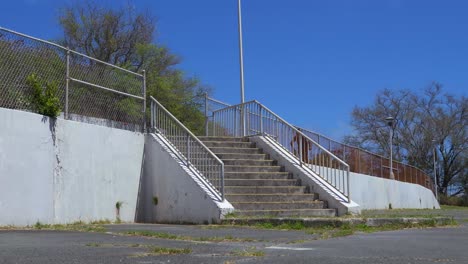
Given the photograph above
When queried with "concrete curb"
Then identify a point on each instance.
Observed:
(337, 222)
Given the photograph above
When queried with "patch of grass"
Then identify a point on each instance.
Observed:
(249, 252)
(453, 207)
(101, 222)
(393, 213)
(169, 251)
(93, 245)
(76, 226)
(293, 225)
(331, 231)
(161, 235)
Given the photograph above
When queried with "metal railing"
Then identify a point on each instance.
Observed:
(89, 90)
(254, 118)
(359, 160)
(365, 162)
(189, 148)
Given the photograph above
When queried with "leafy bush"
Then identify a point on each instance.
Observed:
(44, 96)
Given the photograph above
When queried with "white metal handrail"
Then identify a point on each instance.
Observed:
(191, 150)
(366, 162)
(253, 118)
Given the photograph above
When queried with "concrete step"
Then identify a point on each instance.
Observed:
(257, 175)
(239, 168)
(229, 144)
(238, 139)
(261, 182)
(276, 197)
(265, 189)
(279, 205)
(288, 213)
(242, 156)
(247, 162)
(217, 150)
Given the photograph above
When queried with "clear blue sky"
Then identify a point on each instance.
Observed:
(309, 61)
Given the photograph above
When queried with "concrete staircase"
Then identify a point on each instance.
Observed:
(256, 186)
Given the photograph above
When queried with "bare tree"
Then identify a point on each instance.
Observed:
(423, 121)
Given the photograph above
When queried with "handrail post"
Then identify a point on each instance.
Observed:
(222, 182)
(300, 148)
(67, 84)
(152, 116)
(261, 120)
(347, 183)
(188, 150)
(206, 114)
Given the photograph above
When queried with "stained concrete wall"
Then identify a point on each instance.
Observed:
(65, 171)
(367, 192)
(379, 193)
(182, 195)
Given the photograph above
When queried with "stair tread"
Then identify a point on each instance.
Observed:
(266, 160)
(281, 202)
(258, 172)
(285, 210)
(255, 166)
(266, 194)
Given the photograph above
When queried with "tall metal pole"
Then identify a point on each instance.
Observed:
(390, 120)
(392, 176)
(241, 52)
(241, 62)
(144, 101)
(435, 170)
(67, 84)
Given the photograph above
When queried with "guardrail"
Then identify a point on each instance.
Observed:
(87, 87)
(253, 118)
(188, 147)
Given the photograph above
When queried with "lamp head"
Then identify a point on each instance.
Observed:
(390, 120)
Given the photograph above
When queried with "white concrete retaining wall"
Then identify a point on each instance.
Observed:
(379, 193)
(367, 192)
(182, 197)
(65, 171)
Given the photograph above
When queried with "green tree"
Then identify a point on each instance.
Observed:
(125, 38)
(424, 121)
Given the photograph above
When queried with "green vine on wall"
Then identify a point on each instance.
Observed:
(44, 96)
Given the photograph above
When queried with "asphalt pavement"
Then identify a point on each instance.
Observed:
(431, 245)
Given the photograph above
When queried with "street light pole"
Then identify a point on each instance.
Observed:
(241, 52)
(390, 120)
(435, 169)
(241, 62)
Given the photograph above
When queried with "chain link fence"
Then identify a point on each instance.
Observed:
(89, 90)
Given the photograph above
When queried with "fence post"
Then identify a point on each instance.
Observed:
(188, 150)
(222, 181)
(67, 83)
(261, 120)
(206, 114)
(152, 116)
(300, 147)
(144, 101)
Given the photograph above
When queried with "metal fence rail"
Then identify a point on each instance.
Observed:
(359, 160)
(253, 118)
(89, 89)
(190, 149)
(365, 162)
